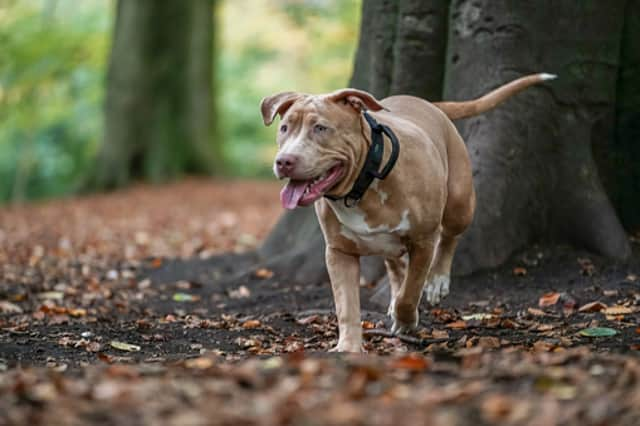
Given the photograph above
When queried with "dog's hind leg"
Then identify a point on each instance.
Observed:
(396, 271)
(405, 309)
(437, 286)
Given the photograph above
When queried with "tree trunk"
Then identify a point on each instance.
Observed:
(538, 159)
(534, 170)
(159, 108)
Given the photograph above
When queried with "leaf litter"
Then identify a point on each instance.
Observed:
(92, 315)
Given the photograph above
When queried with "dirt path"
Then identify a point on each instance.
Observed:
(102, 322)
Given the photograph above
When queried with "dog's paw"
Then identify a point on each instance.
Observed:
(437, 289)
(405, 319)
(347, 347)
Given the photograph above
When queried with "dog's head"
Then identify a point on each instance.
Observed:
(321, 142)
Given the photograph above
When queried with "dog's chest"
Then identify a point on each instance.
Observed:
(384, 239)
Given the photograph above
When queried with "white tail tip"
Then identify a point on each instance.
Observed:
(547, 76)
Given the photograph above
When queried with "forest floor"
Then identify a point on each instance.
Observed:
(115, 309)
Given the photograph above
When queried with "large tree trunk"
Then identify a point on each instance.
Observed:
(159, 108)
(534, 169)
(536, 175)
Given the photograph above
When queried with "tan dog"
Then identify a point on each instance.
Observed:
(413, 218)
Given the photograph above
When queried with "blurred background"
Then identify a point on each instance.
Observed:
(96, 94)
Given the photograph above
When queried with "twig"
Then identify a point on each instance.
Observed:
(403, 337)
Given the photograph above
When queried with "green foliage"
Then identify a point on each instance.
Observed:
(51, 73)
(53, 58)
(273, 46)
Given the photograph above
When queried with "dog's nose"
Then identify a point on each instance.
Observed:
(285, 164)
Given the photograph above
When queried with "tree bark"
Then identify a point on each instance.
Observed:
(159, 108)
(534, 170)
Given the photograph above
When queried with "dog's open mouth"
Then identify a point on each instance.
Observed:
(304, 192)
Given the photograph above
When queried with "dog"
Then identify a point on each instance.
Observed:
(332, 148)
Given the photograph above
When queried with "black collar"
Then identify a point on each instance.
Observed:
(372, 163)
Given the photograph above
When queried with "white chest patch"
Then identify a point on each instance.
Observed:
(384, 239)
(383, 195)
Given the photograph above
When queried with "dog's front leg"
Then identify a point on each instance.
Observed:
(344, 272)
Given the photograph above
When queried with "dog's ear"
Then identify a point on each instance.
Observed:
(358, 99)
(277, 104)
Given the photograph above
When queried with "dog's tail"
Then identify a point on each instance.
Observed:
(455, 110)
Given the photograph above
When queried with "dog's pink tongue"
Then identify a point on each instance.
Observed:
(291, 193)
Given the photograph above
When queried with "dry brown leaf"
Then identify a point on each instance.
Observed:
(251, 324)
(440, 334)
(489, 342)
(549, 299)
(496, 408)
(536, 312)
(593, 307)
(200, 363)
(519, 271)
(368, 325)
(457, 324)
(412, 362)
(618, 310)
(264, 273)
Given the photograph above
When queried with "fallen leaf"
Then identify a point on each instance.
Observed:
(240, 293)
(124, 346)
(200, 363)
(478, 317)
(618, 310)
(251, 324)
(536, 312)
(549, 299)
(496, 408)
(542, 346)
(519, 271)
(457, 324)
(77, 312)
(185, 297)
(51, 295)
(598, 332)
(311, 319)
(489, 342)
(9, 308)
(440, 334)
(631, 278)
(411, 362)
(368, 325)
(263, 273)
(593, 307)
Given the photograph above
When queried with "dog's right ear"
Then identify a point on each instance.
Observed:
(277, 104)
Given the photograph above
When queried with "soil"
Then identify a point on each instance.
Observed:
(107, 299)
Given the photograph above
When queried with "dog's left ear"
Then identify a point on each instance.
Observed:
(277, 104)
(358, 99)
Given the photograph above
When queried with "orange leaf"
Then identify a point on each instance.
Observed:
(264, 273)
(548, 299)
(457, 324)
(368, 325)
(412, 362)
(519, 271)
(251, 324)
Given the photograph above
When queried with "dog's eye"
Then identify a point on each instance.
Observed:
(319, 128)
(283, 128)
